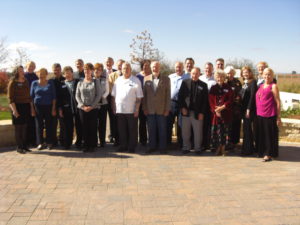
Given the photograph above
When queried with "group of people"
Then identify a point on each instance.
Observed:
(207, 109)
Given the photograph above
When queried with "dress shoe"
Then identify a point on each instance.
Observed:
(198, 152)
(49, 147)
(186, 152)
(149, 151)
(122, 149)
(21, 151)
(163, 151)
(102, 145)
(111, 140)
(27, 149)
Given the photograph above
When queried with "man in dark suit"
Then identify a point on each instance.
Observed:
(58, 78)
(67, 106)
(192, 100)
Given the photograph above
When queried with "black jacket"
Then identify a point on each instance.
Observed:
(200, 96)
(248, 97)
(66, 98)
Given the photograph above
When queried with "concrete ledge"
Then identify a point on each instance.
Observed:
(290, 130)
(7, 133)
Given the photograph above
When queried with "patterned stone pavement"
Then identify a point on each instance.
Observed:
(68, 187)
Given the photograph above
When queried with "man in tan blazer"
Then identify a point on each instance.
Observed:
(156, 106)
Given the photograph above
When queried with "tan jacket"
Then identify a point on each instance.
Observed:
(112, 78)
(160, 101)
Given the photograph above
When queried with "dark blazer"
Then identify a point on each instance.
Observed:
(248, 97)
(200, 96)
(57, 84)
(66, 98)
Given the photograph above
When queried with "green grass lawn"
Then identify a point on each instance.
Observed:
(3, 100)
(5, 115)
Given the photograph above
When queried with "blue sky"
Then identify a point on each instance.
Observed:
(62, 31)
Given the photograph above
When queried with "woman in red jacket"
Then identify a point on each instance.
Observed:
(220, 100)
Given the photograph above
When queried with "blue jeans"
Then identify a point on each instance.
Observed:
(157, 129)
(175, 112)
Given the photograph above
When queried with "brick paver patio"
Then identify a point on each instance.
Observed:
(68, 187)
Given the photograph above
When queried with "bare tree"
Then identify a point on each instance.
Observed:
(143, 48)
(22, 57)
(240, 63)
(3, 51)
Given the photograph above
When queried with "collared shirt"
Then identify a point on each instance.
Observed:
(260, 81)
(126, 91)
(155, 82)
(210, 81)
(176, 81)
(70, 84)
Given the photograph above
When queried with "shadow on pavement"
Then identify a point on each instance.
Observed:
(287, 153)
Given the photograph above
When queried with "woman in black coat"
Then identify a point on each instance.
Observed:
(248, 110)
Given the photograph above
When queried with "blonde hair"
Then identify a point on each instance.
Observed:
(30, 63)
(219, 73)
(269, 70)
(229, 69)
(263, 63)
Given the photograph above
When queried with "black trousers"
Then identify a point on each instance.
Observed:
(142, 127)
(68, 120)
(31, 132)
(58, 121)
(248, 139)
(127, 125)
(43, 120)
(206, 130)
(102, 117)
(78, 128)
(89, 127)
(235, 130)
(113, 122)
(268, 133)
(21, 124)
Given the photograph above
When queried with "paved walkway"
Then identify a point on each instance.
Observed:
(72, 188)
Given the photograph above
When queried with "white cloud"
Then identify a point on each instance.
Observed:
(27, 45)
(128, 31)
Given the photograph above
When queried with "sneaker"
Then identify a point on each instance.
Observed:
(40, 147)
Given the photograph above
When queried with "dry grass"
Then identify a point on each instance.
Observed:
(289, 82)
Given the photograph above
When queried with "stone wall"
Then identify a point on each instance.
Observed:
(290, 130)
